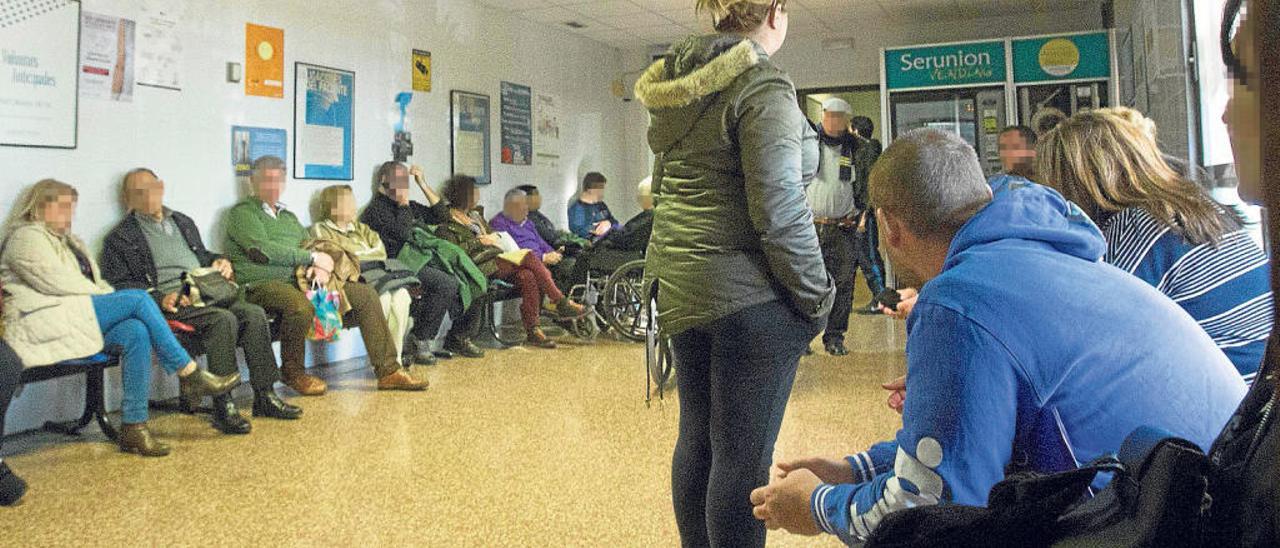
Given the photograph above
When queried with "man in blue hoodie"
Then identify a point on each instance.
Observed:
(1023, 348)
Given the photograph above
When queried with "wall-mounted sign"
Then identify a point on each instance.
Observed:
(39, 68)
(421, 61)
(1048, 59)
(323, 122)
(942, 66)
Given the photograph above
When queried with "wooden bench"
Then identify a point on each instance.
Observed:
(95, 398)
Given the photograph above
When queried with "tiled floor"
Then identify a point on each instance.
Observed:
(524, 448)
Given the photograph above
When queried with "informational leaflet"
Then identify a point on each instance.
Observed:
(250, 143)
(324, 127)
(106, 57)
(160, 44)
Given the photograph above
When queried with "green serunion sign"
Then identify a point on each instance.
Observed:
(937, 66)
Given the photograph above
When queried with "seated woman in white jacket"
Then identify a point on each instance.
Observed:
(58, 308)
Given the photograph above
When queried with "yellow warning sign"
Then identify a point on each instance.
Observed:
(421, 70)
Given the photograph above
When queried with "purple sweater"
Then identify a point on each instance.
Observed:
(525, 234)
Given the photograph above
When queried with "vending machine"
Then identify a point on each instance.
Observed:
(976, 89)
(959, 87)
(1063, 75)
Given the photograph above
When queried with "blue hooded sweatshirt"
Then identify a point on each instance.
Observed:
(1027, 349)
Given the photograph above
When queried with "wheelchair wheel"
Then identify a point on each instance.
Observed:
(623, 302)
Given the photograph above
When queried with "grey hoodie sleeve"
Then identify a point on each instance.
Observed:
(769, 134)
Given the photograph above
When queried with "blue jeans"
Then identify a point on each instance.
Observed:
(734, 377)
(133, 326)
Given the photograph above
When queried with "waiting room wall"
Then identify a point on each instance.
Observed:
(185, 136)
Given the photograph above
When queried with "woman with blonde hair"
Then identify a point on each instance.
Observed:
(338, 224)
(741, 285)
(1184, 168)
(1164, 229)
(58, 308)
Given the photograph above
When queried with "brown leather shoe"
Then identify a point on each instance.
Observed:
(305, 385)
(536, 338)
(401, 380)
(137, 439)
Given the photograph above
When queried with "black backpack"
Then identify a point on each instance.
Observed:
(1164, 492)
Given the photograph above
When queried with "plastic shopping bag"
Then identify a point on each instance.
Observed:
(328, 321)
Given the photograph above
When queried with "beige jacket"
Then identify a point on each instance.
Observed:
(48, 314)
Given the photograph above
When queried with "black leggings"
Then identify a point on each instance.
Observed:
(10, 372)
(734, 377)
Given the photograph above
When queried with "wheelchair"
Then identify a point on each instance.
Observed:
(616, 303)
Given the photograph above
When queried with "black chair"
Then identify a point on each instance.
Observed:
(95, 399)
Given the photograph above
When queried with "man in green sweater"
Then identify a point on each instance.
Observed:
(265, 245)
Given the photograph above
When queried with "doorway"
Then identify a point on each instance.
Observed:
(865, 101)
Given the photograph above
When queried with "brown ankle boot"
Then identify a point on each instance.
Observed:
(304, 384)
(567, 309)
(536, 338)
(137, 439)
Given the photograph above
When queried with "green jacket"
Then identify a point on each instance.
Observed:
(426, 249)
(731, 227)
(279, 240)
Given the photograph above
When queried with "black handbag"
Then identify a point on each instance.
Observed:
(1155, 498)
(207, 287)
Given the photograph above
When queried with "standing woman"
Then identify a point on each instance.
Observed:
(1163, 228)
(741, 285)
(59, 308)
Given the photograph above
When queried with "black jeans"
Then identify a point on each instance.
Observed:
(440, 295)
(734, 377)
(219, 331)
(838, 252)
(10, 373)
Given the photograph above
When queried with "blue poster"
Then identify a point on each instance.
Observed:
(324, 127)
(250, 143)
(517, 124)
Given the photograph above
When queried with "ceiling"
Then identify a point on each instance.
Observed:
(641, 23)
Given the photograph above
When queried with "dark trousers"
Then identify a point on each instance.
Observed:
(219, 331)
(734, 378)
(868, 257)
(440, 295)
(840, 257)
(296, 313)
(10, 373)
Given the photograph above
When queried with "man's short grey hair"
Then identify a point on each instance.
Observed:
(513, 194)
(931, 180)
(265, 163)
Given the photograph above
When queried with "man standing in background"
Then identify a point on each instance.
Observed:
(833, 197)
(867, 239)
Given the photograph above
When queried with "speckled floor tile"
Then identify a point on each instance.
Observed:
(523, 448)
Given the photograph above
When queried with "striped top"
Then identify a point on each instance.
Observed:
(1224, 287)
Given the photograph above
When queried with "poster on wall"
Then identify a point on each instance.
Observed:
(324, 122)
(250, 143)
(106, 57)
(421, 69)
(39, 61)
(469, 114)
(160, 44)
(546, 125)
(263, 61)
(517, 125)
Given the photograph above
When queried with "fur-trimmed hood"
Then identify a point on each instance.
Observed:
(696, 68)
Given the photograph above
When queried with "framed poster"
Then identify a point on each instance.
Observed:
(323, 122)
(517, 124)
(39, 90)
(469, 116)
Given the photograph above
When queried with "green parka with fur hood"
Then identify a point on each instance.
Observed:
(731, 225)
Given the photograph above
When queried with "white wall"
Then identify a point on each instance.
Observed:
(185, 136)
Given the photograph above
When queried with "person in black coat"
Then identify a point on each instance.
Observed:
(149, 249)
(394, 216)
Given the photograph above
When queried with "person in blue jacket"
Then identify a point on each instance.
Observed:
(1023, 349)
(589, 217)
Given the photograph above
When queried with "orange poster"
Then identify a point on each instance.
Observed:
(263, 61)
